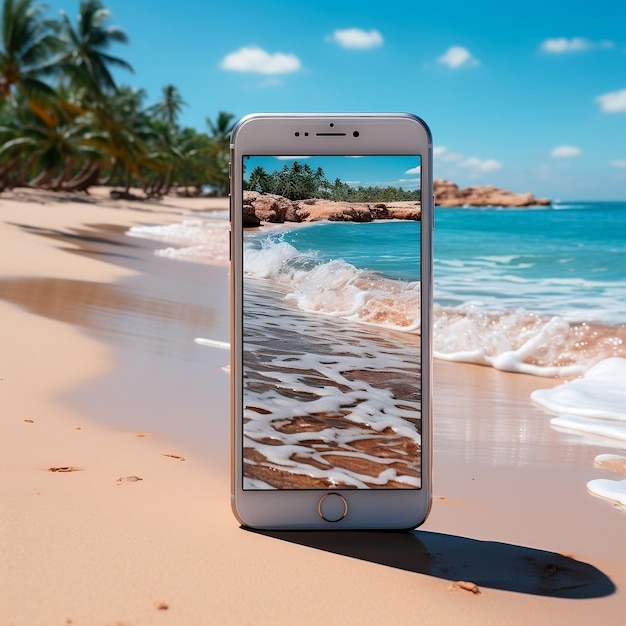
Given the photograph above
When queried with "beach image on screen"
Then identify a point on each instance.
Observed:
(331, 322)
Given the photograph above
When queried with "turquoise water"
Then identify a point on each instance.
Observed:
(391, 248)
(567, 260)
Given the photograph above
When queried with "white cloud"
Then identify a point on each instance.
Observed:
(414, 170)
(562, 44)
(441, 153)
(356, 39)
(480, 165)
(613, 102)
(458, 56)
(618, 163)
(256, 60)
(565, 152)
(559, 45)
(474, 164)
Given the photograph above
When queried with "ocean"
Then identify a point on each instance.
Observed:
(565, 260)
(537, 290)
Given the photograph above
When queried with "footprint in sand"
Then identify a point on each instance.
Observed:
(174, 456)
(466, 586)
(128, 479)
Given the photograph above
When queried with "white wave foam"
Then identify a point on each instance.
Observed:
(594, 405)
(563, 206)
(519, 341)
(614, 490)
(600, 395)
(335, 288)
(195, 240)
(270, 259)
(614, 462)
(590, 426)
(212, 343)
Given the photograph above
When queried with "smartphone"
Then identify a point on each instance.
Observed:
(331, 294)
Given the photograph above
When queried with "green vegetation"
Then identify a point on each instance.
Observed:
(300, 182)
(66, 125)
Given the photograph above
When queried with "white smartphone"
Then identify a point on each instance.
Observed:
(331, 266)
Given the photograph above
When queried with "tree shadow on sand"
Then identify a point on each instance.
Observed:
(488, 564)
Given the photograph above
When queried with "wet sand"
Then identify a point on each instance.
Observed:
(100, 380)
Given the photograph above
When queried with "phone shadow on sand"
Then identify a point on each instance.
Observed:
(488, 564)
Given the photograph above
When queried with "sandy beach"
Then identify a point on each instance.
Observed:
(114, 462)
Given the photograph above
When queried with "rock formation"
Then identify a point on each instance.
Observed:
(448, 194)
(259, 208)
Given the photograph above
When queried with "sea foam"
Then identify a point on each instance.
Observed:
(194, 239)
(334, 287)
(594, 406)
(521, 341)
(600, 394)
(614, 490)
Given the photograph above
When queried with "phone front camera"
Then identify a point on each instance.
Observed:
(355, 133)
(331, 124)
(297, 134)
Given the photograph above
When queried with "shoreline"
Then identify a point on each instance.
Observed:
(509, 499)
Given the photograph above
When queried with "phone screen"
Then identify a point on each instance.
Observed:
(331, 322)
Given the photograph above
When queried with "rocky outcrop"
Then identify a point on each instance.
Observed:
(270, 208)
(259, 208)
(448, 194)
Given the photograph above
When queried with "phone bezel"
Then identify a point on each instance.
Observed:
(330, 134)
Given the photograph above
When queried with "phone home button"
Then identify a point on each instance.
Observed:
(332, 507)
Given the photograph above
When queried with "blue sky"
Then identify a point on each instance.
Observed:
(530, 95)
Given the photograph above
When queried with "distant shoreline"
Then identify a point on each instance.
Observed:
(265, 207)
(448, 194)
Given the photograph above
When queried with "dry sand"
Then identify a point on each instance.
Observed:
(99, 374)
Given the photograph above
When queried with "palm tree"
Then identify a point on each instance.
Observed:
(82, 128)
(220, 130)
(52, 150)
(86, 59)
(164, 117)
(191, 168)
(259, 180)
(124, 133)
(219, 155)
(29, 43)
(169, 108)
